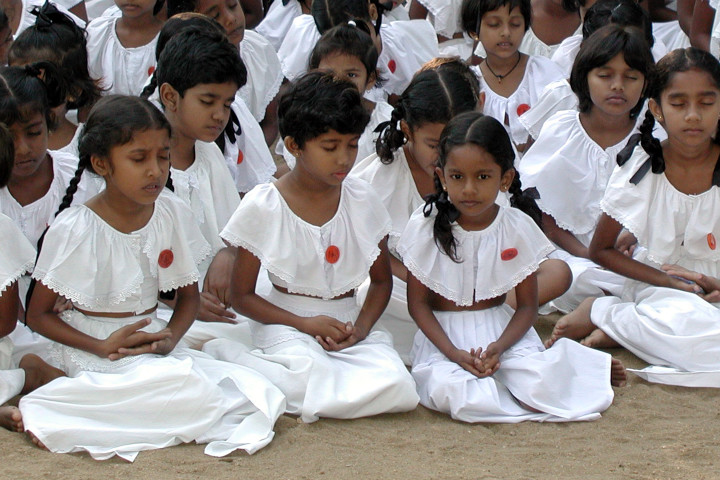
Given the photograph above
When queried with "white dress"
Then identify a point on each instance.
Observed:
(570, 172)
(278, 20)
(27, 19)
(183, 396)
(264, 73)
(539, 72)
(17, 258)
(671, 35)
(365, 379)
(567, 382)
(715, 32)
(445, 18)
(675, 331)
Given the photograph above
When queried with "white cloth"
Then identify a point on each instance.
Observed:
(277, 21)
(665, 327)
(671, 35)
(571, 382)
(457, 47)
(539, 72)
(36, 216)
(715, 33)
(445, 16)
(294, 53)
(264, 74)
(123, 70)
(27, 19)
(555, 97)
(72, 147)
(566, 52)
(185, 395)
(530, 45)
(296, 253)
(365, 379)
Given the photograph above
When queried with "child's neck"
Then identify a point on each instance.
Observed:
(182, 151)
(504, 75)
(690, 168)
(137, 31)
(606, 130)
(475, 224)
(313, 201)
(119, 212)
(26, 190)
(62, 135)
(424, 183)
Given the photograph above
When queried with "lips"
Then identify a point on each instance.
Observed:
(340, 175)
(153, 188)
(616, 99)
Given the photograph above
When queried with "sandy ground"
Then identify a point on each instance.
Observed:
(650, 432)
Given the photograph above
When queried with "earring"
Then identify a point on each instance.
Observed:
(444, 188)
(659, 118)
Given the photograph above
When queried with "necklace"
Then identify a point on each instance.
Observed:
(500, 77)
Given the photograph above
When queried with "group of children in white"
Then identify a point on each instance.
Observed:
(183, 277)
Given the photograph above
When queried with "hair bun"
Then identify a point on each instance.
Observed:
(44, 15)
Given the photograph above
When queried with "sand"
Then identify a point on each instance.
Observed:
(650, 432)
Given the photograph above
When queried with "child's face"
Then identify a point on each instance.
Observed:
(137, 171)
(349, 67)
(423, 144)
(327, 158)
(203, 112)
(473, 178)
(689, 108)
(228, 13)
(135, 8)
(501, 31)
(615, 88)
(30, 139)
(6, 39)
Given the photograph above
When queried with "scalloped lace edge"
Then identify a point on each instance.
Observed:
(15, 276)
(566, 226)
(85, 300)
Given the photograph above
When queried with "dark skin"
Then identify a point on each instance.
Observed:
(254, 12)
(138, 30)
(551, 23)
(701, 25)
(658, 11)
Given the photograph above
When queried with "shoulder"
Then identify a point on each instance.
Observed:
(543, 69)
(101, 28)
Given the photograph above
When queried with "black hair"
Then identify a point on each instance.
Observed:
(7, 155)
(472, 12)
(433, 96)
(490, 135)
(603, 46)
(318, 102)
(330, 13)
(4, 22)
(352, 39)
(180, 6)
(457, 65)
(620, 12)
(680, 60)
(56, 38)
(34, 88)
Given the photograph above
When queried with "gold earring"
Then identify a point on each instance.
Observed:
(659, 118)
(444, 188)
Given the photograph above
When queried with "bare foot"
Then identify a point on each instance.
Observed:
(36, 441)
(575, 325)
(37, 372)
(599, 339)
(618, 374)
(11, 419)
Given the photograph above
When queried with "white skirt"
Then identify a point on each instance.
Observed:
(567, 382)
(365, 379)
(667, 328)
(149, 401)
(12, 379)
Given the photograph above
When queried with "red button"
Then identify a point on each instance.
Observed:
(332, 254)
(522, 108)
(392, 66)
(165, 258)
(508, 254)
(711, 241)
(241, 157)
(151, 70)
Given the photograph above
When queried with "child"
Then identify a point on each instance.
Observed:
(111, 257)
(121, 50)
(318, 235)
(56, 38)
(20, 17)
(474, 357)
(445, 18)
(664, 194)
(511, 80)
(17, 257)
(570, 163)
(279, 19)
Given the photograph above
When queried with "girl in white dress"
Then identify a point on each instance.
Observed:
(667, 195)
(121, 50)
(475, 357)
(318, 234)
(511, 80)
(570, 163)
(111, 257)
(279, 18)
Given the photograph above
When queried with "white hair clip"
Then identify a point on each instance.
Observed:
(352, 23)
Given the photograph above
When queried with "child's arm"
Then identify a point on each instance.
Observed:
(526, 293)
(215, 295)
(419, 306)
(603, 252)
(42, 319)
(563, 238)
(248, 303)
(710, 285)
(9, 304)
(399, 270)
(376, 301)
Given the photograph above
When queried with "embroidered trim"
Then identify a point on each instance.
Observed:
(15, 276)
(114, 298)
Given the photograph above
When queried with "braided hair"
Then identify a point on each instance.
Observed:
(34, 88)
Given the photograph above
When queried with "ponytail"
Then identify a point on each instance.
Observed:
(651, 144)
(447, 214)
(391, 136)
(524, 201)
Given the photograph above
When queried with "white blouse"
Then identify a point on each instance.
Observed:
(531, 45)
(445, 16)
(278, 20)
(539, 72)
(89, 262)
(34, 218)
(123, 71)
(294, 53)
(674, 227)
(323, 261)
(570, 172)
(492, 261)
(17, 256)
(208, 190)
(264, 73)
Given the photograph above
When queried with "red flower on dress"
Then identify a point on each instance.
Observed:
(241, 157)
(332, 254)
(508, 254)
(522, 108)
(165, 259)
(392, 66)
(711, 241)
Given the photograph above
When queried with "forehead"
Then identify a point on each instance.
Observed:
(334, 136)
(341, 61)
(503, 12)
(222, 90)
(691, 82)
(205, 5)
(429, 130)
(28, 116)
(150, 139)
(470, 157)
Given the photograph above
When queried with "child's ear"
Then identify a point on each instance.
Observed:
(370, 81)
(292, 146)
(441, 175)
(100, 165)
(507, 179)
(372, 9)
(655, 109)
(405, 129)
(480, 103)
(169, 97)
